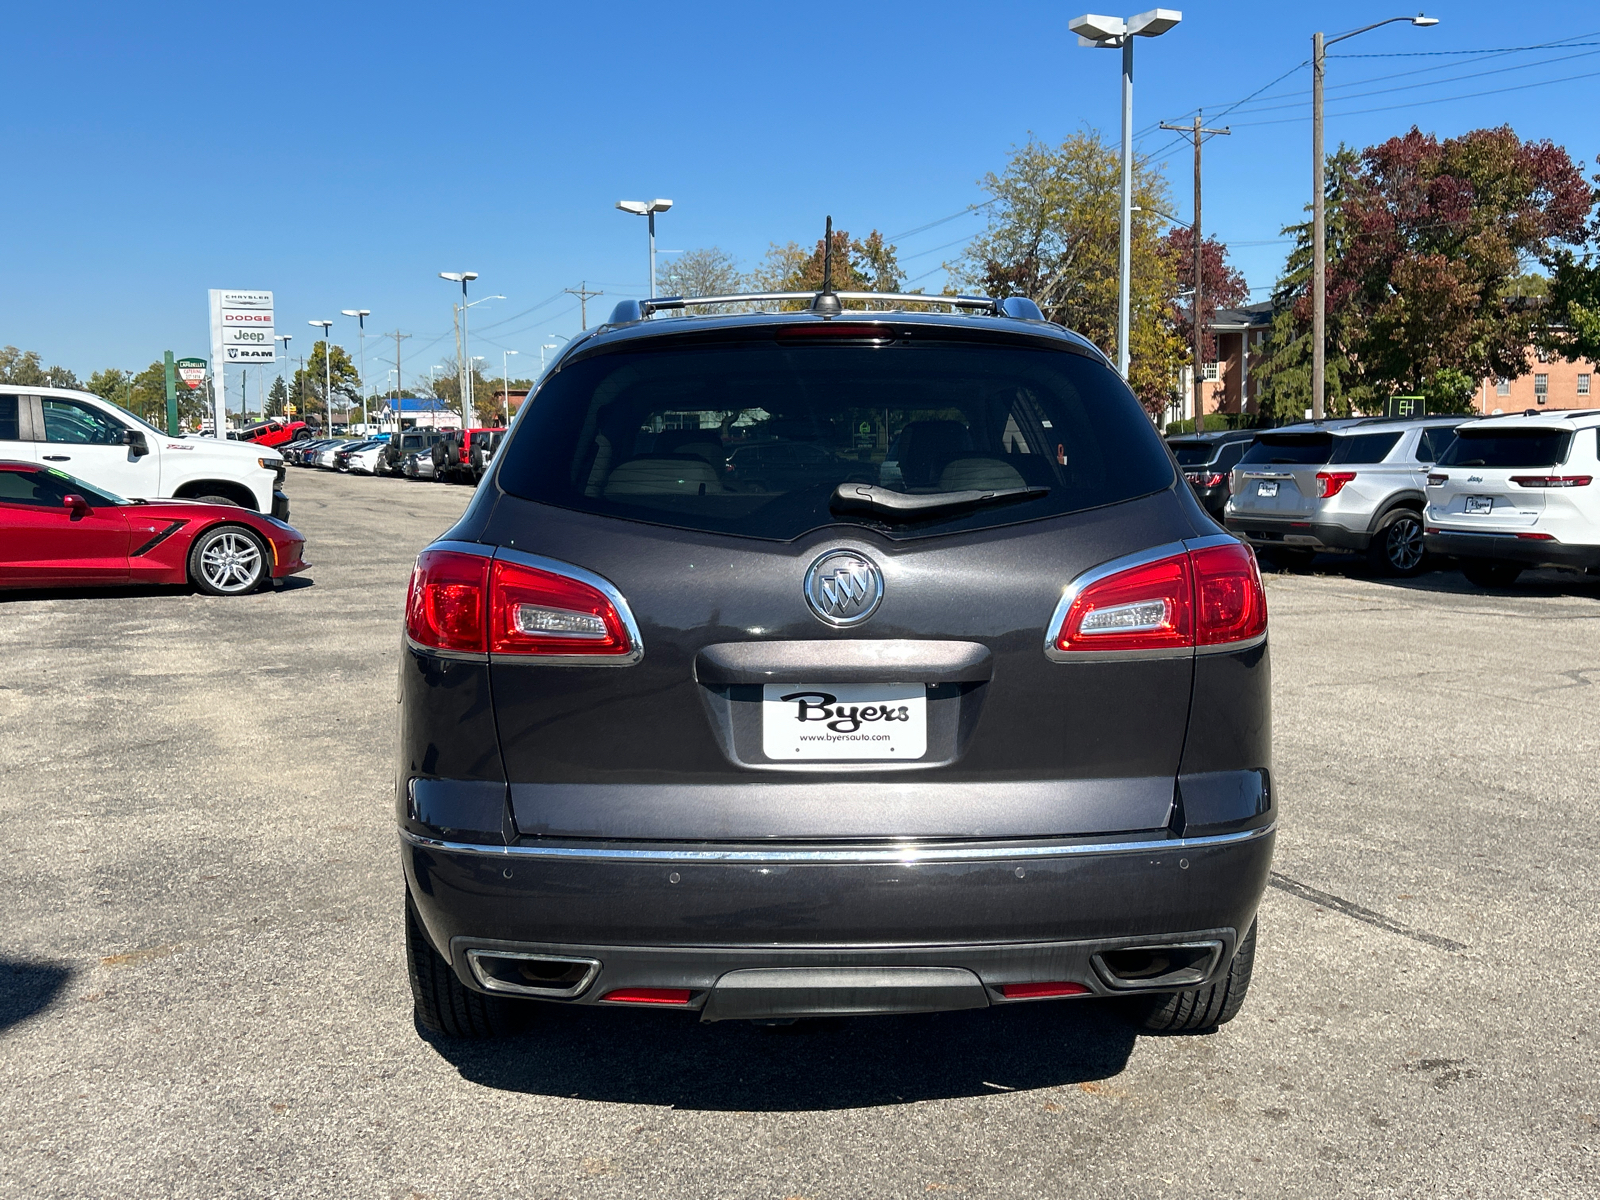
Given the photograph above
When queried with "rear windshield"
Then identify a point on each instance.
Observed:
(1193, 454)
(1507, 448)
(1289, 448)
(752, 438)
(1363, 447)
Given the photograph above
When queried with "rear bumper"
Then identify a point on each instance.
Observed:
(677, 916)
(1508, 547)
(1301, 535)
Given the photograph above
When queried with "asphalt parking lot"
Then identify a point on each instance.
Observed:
(202, 978)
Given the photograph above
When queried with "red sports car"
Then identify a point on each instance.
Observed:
(57, 531)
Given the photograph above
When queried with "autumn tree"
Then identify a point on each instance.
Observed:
(859, 265)
(1570, 315)
(1432, 235)
(1054, 224)
(710, 271)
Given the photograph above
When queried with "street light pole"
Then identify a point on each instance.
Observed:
(327, 369)
(464, 369)
(361, 315)
(505, 372)
(285, 338)
(647, 208)
(1114, 33)
(1319, 226)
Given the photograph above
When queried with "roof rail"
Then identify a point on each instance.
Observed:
(1016, 307)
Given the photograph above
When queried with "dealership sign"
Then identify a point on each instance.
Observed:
(241, 327)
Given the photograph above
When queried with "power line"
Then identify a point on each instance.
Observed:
(1520, 87)
(971, 208)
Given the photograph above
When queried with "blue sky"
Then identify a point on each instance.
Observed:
(343, 155)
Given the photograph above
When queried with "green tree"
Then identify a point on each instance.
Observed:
(311, 383)
(1053, 236)
(859, 265)
(277, 398)
(26, 369)
(1570, 318)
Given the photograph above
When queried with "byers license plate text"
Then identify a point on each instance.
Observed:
(837, 721)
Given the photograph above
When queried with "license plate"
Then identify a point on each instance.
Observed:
(1480, 504)
(1267, 487)
(802, 721)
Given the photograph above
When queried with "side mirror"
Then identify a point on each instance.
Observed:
(134, 440)
(76, 505)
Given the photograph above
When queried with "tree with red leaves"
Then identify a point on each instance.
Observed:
(1421, 283)
(1571, 316)
(1222, 286)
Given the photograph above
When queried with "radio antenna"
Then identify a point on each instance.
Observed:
(827, 257)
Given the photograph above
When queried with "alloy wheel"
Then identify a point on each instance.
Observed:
(1403, 544)
(231, 562)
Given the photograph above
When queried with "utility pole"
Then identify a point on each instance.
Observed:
(583, 294)
(1197, 243)
(398, 338)
(461, 372)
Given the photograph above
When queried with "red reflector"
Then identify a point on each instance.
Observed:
(834, 331)
(1331, 483)
(1535, 537)
(541, 612)
(1230, 603)
(1033, 991)
(647, 996)
(445, 607)
(1552, 480)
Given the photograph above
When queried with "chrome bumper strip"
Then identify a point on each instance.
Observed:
(841, 855)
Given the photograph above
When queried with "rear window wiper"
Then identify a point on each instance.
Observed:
(881, 502)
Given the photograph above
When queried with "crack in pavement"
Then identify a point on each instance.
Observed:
(1351, 909)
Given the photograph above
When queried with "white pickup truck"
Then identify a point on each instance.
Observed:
(106, 445)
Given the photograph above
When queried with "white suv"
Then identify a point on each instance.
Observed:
(106, 445)
(1517, 492)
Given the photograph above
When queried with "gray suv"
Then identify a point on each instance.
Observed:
(1349, 485)
(833, 662)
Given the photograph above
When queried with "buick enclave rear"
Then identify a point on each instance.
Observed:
(833, 662)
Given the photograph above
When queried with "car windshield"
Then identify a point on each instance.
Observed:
(138, 421)
(1292, 449)
(1507, 448)
(755, 437)
(68, 485)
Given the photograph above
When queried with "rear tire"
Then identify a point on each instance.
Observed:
(443, 1004)
(1396, 548)
(229, 560)
(1202, 1009)
(1488, 573)
(217, 500)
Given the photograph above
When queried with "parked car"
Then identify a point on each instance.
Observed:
(1518, 492)
(1353, 486)
(342, 455)
(58, 531)
(1207, 461)
(411, 441)
(418, 466)
(301, 453)
(452, 457)
(274, 433)
(669, 744)
(121, 454)
(365, 460)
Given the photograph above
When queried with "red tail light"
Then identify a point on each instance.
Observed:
(1536, 537)
(1438, 480)
(445, 608)
(1206, 597)
(1143, 608)
(1552, 480)
(1204, 478)
(676, 996)
(467, 603)
(540, 612)
(1230, 603)
(1035, 991)
(1331, 483)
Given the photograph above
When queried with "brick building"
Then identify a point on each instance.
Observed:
(1551, 382)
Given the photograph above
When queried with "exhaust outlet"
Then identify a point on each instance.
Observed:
(549, 976)
(1148, 968)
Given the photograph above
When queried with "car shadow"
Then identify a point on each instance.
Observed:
(28, 986)
(639, 1057)
(136, 591)
(1445, 577)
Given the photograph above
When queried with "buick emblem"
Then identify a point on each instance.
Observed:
(843, 587)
